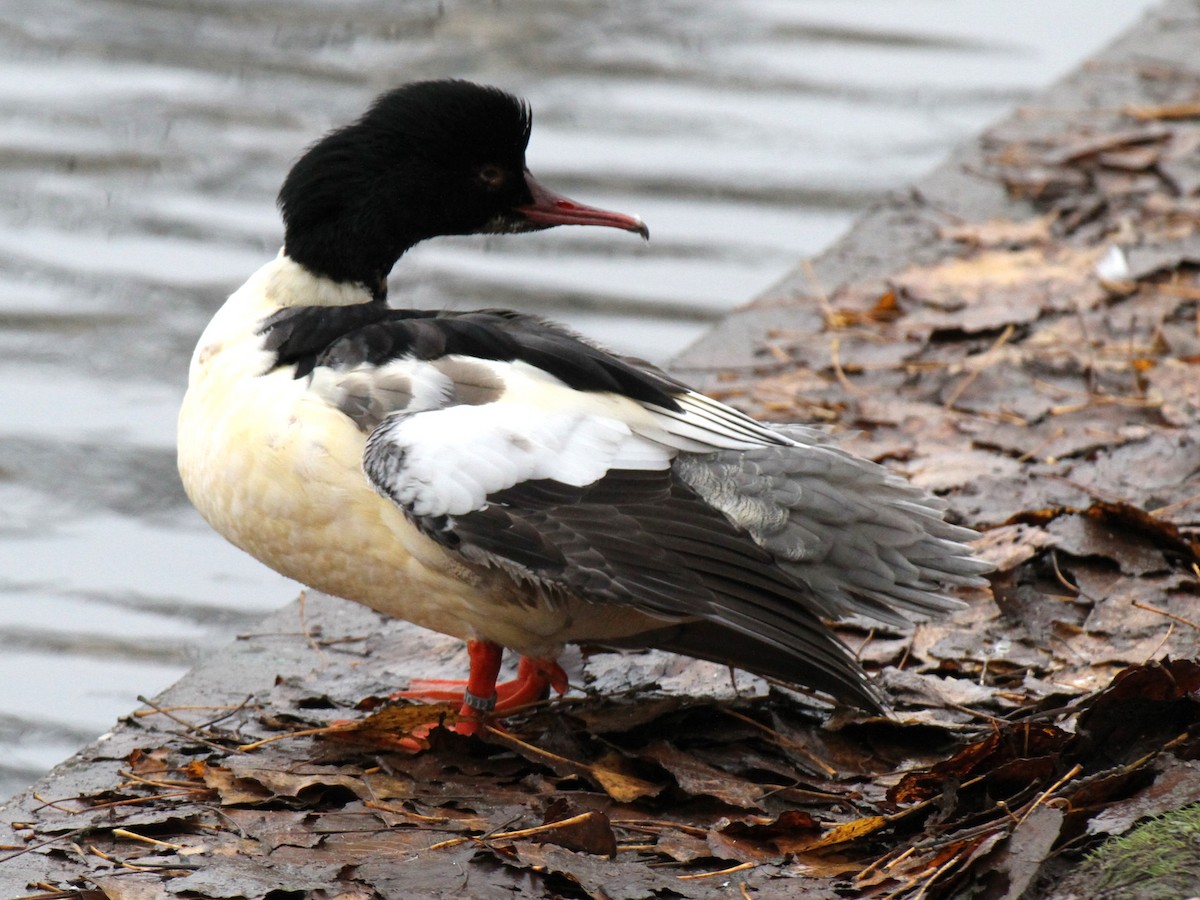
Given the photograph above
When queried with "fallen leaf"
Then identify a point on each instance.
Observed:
(586, 832)
(758, 840)
(1001, 232)
(1175, 786)
(697, 778)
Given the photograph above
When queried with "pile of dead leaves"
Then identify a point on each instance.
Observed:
(629, 797)
(634, 797)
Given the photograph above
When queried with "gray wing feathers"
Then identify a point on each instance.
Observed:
(863, 540)
(643, 540)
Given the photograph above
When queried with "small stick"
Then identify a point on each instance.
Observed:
(654, 826)
(1162, 612)
(133, 801)
(324, 657)
(307, 732)
(542, 829)
(825, 767)
(1075, 770)
(177, 785)
(1058, 573)
(53, 804)
(401, 811)
(835, 357)
(1050, 439)
(738, 868)
(1171, 507)
(1004, 338)
(134, 836)
(1166, 637)
(163, 710)
(120, 862)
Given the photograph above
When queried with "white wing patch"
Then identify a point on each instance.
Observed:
(436, 456)
(449, 461)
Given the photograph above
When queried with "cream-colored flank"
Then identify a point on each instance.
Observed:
(277, 469)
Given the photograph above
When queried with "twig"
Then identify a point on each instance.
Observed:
(66, 836)
(453, 842)
(655, 826)
(984, 362)
(741, 867)
(835, 346)
(163, 710)
(479, 839)
(1162, 612)
(170, 785)
(863, 646)
(810, 273)
(1104, 400)
(1171, 507)
(230, 711)
(407, 813)
(120, 862)
(1058, 573)
(542, 829)
(307, 732)
(1075, 770)
(1166, 637)
(782, 741)
(134, 836)
(191, 731)
(324, 657)
(134, 801)
(938, 873)
(53, 804)
(166, 711)
(1050, 439)
(163, 867)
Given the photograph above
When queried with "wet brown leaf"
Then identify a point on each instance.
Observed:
(1008, 871)
(760, 840)
(613, 773)
(131, 887)
(697, 778)
(1176, 785)
(848, 832)
(149, 763)
(1031, 749)
(393, 726)
(993, 288)
(589, 831)
(1001, 232)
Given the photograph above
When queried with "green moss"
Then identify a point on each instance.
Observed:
(1159, 859)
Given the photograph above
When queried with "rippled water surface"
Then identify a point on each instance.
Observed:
(141, 145)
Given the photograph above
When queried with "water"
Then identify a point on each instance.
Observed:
(142, 142)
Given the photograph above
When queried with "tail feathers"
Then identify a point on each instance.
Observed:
(862, 540)
(834, 672)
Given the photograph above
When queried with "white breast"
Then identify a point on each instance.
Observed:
(278, 472)
(275, 464)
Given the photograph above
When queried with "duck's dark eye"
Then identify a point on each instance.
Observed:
(492, 177)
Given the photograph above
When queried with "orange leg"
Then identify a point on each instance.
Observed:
(481, 696)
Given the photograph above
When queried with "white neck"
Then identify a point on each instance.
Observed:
(279, 284)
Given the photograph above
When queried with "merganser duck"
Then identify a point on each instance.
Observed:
(495, 477)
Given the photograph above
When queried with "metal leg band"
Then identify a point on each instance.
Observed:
(479, 704)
